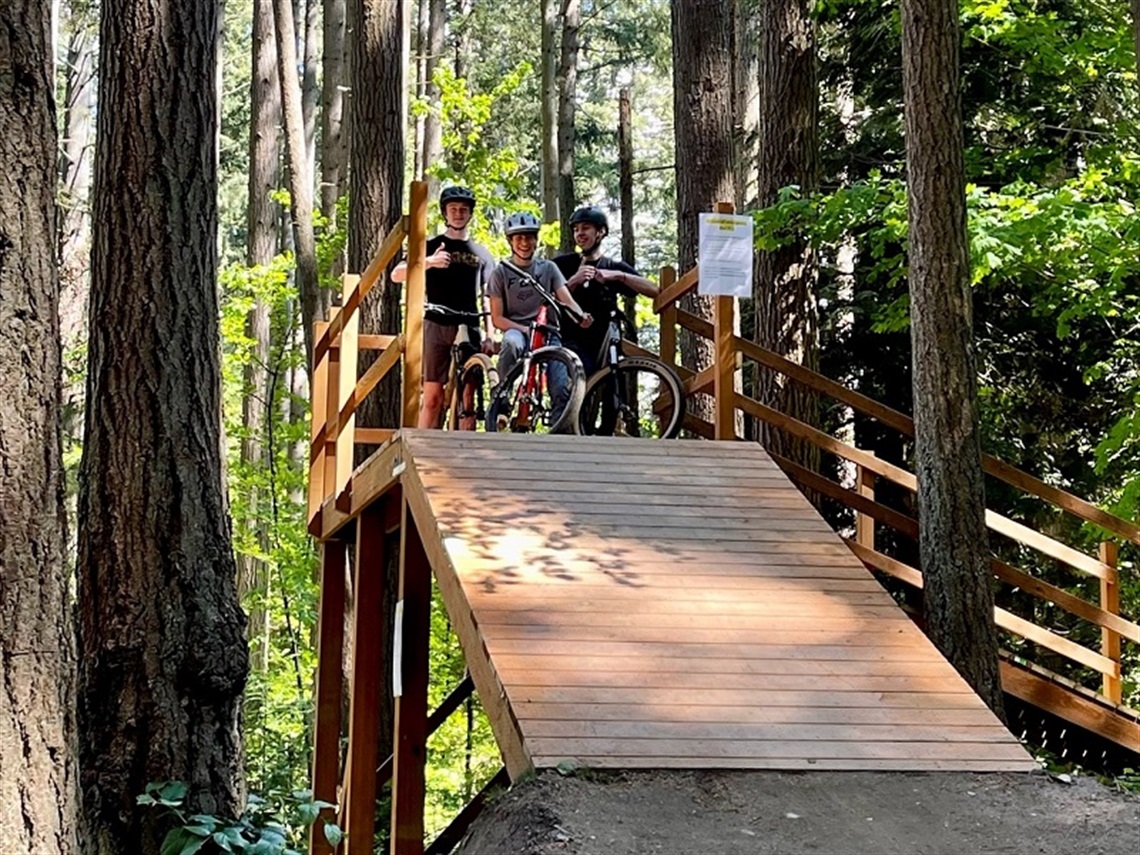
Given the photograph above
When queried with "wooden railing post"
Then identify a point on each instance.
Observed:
(1110, 602)
(368, 648)
(318, 447)
(326, 720)
(724, 358)
(349, 358)
(332, 420)
(414, 304)
(668, 320)
(864, 523)
(409, 742)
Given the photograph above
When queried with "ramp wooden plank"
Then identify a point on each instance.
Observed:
(681, 605)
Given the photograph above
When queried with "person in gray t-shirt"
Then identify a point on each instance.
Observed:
(515, 301)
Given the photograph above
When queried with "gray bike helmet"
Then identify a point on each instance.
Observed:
(521, 223)
(594, 216)
(456, 194)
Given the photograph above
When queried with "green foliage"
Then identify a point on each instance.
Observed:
(264, 828)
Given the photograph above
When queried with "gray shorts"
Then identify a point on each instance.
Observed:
(438, 339)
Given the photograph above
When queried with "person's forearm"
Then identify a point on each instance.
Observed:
(400, 272)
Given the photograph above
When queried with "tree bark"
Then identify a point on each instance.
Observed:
(567, 108)
(261, 247)
(459, 46)
(164, 657)
(746, 98)
(550, 14)
(39, 770)
(310, 78)
(625, 191)
(433, 131)
(419, 52)
(314, 304)
(951, 492)
(702, 128)
(375, 205)
(784, 290)
(334, 148)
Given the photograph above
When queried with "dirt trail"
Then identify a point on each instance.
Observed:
(726, 813)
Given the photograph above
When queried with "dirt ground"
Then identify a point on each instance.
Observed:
(726, 813)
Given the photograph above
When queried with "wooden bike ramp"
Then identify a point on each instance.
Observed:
(677, 604)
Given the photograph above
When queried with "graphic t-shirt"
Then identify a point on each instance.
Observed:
(521, 300)
(594, 297)
(458, 285)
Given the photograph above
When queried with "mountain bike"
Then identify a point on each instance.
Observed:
(472, 371)
(636, 396)
(524, 402)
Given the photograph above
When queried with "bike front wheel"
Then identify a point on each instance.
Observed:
(468, 407)
(637, 397)
(530, 403)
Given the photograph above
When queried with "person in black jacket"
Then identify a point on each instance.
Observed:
(596, 281)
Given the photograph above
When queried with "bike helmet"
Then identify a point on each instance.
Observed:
(520, 223)
(594, 216)
(456, 194)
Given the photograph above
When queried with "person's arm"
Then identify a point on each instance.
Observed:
(439, 258)
(500, 320)
(633, 281)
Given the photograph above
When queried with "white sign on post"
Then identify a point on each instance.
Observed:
(725, 255)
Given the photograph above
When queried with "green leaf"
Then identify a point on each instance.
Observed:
(179, 841)
(333, 834)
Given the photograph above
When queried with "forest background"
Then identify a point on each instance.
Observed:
(1050, 102)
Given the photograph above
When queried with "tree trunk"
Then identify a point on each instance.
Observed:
(313, 303)
(334, 149)
(419, 52)
(702, 128)
(310, 80)
(375, 205)
(746, 98)
(786, 314)
(433, 131)
(567, 103)
(459, 44)
(39, 771)
(550, 11)
(951, 492)
(625, 190)
(261, 247)
(164, 658)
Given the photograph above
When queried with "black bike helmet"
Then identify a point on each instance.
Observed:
(520, 223)
(456, 194)
(594, 216)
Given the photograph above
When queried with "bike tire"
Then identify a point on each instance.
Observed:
(476, 371)
(658, 409)
(503, 413)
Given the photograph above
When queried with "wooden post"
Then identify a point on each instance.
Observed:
(414, 304)
(318, 404)
(349, 357)
(668, 320)
(409, 742)
(724, 358)
(864, 524)
(368, 648)
(332, 419)
(1110, 602)
(326, 725)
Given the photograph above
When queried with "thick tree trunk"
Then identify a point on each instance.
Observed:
(419, 53)
(550, 16)
(261, 247)
(334, 148)
(625, 191)
(164, 656)
(375, 205)
(459, 43)
(746, 98)
(567, 108)
(951, 492)
(313, 303)
(39, 769)
(786, 313)
(433, 131)
(702, 128)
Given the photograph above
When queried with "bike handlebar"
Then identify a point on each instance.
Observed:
(547, 297)
(454, 314)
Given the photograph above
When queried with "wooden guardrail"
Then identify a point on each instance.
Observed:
(336, 391)
(717, 380)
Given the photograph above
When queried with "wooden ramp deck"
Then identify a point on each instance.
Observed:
(678, 604)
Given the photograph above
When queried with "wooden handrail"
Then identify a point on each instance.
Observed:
(372, 376)
(905, 424)
(368, 280)
(674, 291)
